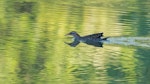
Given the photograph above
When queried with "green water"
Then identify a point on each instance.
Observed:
(33, 48)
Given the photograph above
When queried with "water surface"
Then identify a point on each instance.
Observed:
(33, 48)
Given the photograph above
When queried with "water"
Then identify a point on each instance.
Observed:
(33, 48)
(130, 41)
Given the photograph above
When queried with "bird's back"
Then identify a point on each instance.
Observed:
(96, 35)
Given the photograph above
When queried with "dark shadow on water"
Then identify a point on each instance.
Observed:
(22, 7)
(93, 43)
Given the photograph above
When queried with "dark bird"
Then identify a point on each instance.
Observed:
(93, 39)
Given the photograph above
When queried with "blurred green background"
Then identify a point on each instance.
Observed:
(32, 48)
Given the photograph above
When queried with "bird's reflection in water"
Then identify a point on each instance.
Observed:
(93, 39)
(76, 42)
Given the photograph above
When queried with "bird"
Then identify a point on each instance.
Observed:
(92, 39)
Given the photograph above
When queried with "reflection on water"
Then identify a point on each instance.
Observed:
(32, 48)
(96, 44)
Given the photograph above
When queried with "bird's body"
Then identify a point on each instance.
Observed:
(97, 37)
(93, 39)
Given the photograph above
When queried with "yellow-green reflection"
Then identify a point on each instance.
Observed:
(33, 50)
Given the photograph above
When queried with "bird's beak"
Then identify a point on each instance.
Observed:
(67, 34)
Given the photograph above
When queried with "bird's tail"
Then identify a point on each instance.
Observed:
(105, 38)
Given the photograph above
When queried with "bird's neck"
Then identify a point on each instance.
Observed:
(76, 36)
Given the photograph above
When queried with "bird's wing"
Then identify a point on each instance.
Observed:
(97, 35)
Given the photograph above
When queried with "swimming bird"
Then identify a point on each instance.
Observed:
(93, 39)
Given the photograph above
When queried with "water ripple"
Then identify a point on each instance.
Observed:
(130, 41)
